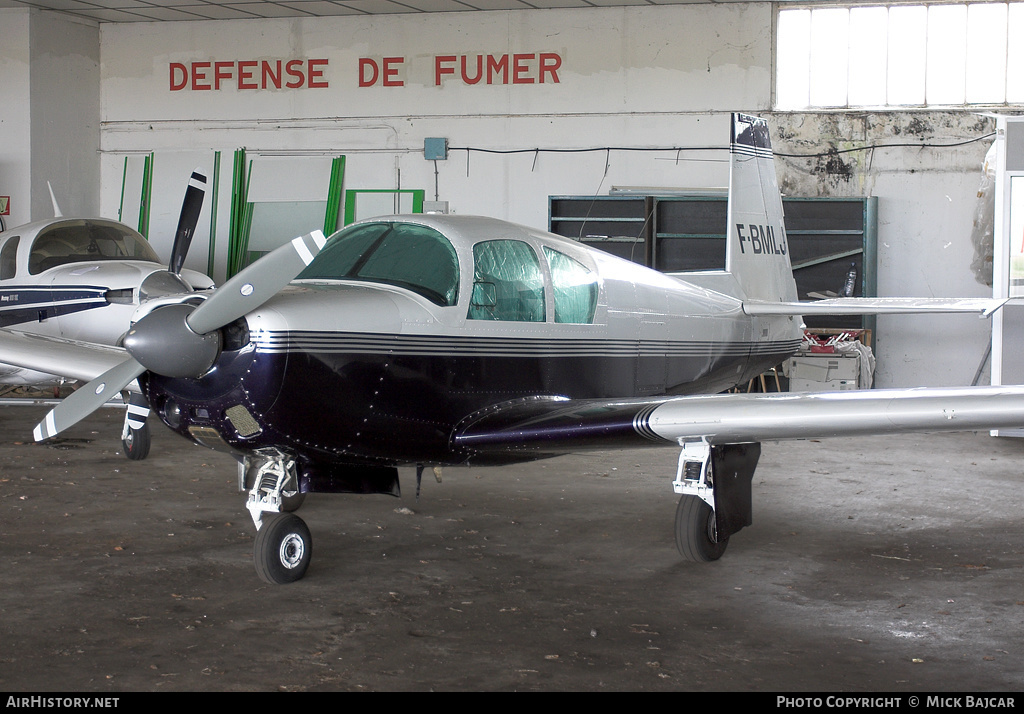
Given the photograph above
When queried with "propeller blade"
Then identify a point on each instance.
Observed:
(84, 401)
(187, 221)
(256, 284)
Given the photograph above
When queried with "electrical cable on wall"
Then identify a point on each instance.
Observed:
(680, 149)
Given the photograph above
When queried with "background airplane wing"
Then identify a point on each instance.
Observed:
(62, 358)
(551, 426)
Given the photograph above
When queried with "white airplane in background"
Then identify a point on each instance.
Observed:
(75, 279)
(433, 340)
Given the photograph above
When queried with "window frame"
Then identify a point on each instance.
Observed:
(796, 92)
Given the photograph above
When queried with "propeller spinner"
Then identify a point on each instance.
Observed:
(180, 340)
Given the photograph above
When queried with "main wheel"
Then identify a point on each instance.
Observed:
(695, 531)
(282, 549)
(136, 443)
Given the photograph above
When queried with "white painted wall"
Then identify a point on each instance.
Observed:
(15, 153)
(637, 77)
(927, 194)
(630, 77)
(65, 112)
(49, 113)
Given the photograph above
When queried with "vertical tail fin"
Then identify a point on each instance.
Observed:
(757, 252)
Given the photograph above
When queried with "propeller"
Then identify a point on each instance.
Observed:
(187, 220)
(183, 340)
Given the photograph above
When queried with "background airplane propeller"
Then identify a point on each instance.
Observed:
(161, 283)
(191, 206)
(182, 340)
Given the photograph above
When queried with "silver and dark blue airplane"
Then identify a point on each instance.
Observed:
(431, 341)
(81, 279)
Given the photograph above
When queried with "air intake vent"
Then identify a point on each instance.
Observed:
(243, 421)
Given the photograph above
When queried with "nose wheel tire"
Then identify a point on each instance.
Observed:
(136, 443)
(282, 549)
(695, 531)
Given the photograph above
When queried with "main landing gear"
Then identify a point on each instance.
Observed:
(283, 546)
(715, 500)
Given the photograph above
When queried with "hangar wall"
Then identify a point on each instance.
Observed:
(373, 88)
(16, 159)
(49, 127)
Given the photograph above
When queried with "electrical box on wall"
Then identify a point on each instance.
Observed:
(435, 149)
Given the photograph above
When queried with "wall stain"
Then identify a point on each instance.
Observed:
(831, 168)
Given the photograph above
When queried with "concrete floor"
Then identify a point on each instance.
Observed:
(887, 564)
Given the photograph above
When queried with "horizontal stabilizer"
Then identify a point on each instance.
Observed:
(874, 306)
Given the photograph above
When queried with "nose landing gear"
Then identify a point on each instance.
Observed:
(283, 546)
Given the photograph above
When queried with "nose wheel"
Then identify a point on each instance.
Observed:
(283, 549)
(136, 442)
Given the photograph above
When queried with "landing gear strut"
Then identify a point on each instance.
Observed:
(715, 499)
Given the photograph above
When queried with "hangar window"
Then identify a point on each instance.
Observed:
(575, 288)
(507, 282)
(407, 255)
(900, 55)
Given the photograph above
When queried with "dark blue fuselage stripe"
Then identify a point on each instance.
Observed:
(20, 304)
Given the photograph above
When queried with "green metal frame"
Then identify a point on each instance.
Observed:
(147, 194)
(334, 195)
(215, 193)
(241, 214)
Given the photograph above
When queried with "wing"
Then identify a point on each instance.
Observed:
(874, 306)
(59, 357)
(550, 426)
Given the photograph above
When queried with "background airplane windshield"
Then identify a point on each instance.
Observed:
(79, 241)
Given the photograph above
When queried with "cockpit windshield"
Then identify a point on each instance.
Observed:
(403, 254)
(86, 240)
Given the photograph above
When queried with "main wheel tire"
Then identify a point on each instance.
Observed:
(136, 443)
(695, 529)
(282, 549)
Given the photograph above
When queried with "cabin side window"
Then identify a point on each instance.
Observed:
(9, 258)
(575, 288)
(507, 283)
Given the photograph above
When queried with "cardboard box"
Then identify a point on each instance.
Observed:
(826, 372)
